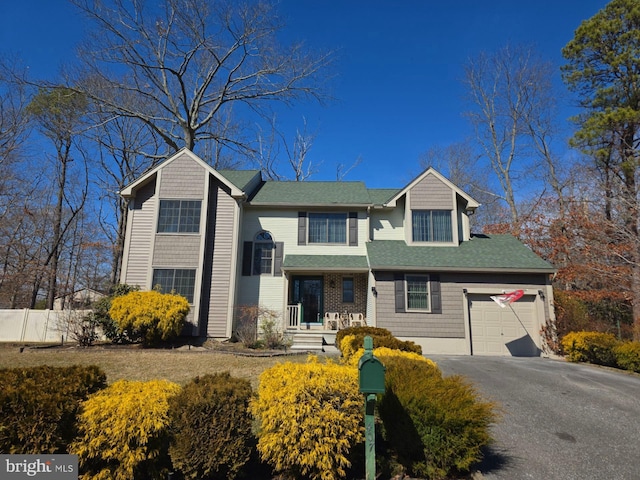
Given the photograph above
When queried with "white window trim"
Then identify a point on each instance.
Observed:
(200, 226)
(253, 254)
(408, 224)
(420, 242)
(353, 288)
(346, 225)
(406, 293)
(195, 286)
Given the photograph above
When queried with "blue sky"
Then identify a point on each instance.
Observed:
(396, 79)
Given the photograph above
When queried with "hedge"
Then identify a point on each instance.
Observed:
(38, 406)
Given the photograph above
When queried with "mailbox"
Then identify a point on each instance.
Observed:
(371, 370)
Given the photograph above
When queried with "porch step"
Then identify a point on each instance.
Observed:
(307, 341)
(314, 341)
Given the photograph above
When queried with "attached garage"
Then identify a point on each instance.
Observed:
(462, 319)
(513, 330)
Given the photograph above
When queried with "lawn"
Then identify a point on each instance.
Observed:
(133, 363)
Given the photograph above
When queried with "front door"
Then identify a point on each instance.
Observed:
(308, 292)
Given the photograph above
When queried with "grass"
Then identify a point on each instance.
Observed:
(179, 365)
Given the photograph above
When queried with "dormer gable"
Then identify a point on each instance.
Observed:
(431, 175)
(436, 212)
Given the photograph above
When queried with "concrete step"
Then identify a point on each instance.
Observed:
(306, 341)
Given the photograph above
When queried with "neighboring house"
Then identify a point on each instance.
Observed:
(80, 299)
(316, 252)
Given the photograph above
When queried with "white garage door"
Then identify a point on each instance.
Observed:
(503, 331)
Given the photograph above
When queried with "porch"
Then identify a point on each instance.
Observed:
(330, 322)
(325, 294)
(318, 336)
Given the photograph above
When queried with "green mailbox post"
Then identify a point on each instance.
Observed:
(371, 373)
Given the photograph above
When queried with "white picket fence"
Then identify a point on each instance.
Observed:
(44, 326)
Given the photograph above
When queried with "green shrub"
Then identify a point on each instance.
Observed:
(309, 417)
(150, 316)
(211, 427)
(628, 356)
(38, 406)
(592, 347)
(434, 426)
(124, 431)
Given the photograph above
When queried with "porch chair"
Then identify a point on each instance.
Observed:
(356, 320)
(331, 320)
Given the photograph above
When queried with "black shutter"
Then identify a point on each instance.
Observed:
(277, 265)
(247, 251)
(302, 228)
(399, 291)
(353, 228)
(436, 297)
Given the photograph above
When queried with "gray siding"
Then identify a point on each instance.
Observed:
(221, 276)
(175, 250)
(182, 178)
(141, 236)
(450, 323)
(431, 194)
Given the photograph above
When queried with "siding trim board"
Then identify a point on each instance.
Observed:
(207, 268)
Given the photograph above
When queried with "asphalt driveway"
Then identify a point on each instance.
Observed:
(559, 420)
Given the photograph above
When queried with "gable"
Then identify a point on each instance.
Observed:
(431, 193)
(183, 155)
(437, 180)
(183, 178)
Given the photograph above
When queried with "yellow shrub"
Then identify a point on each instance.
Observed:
(383, 353)
(124, 431)
(310, 416)
(150, 316)
(348, 349)
(593, 347)
(351, 343)
(628, 356)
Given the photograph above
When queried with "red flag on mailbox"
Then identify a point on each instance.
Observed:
(507, 298)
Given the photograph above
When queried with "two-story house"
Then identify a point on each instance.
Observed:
(325, 255)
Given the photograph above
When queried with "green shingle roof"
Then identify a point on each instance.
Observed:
(312, 193)
(379, 196)
(325, 262)
(240, 178)
(482, 253)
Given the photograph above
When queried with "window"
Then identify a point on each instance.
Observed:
(347, 290)
(181, 281)
(262, 256)
(417, 291)
(327, 228)
(179, 216)
(432, 226)
(263, 247)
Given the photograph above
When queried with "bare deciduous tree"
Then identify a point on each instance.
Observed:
(458, 163)
(58, 114)
(510, 94)
(268, 153)
(191, 62)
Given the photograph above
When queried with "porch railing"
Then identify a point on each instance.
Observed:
(294, 315)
